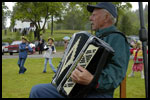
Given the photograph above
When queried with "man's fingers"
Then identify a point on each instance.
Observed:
(74, 79)
(81, 69)
(74, 75)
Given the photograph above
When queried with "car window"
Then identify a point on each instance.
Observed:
(5, 44)
(16, 42)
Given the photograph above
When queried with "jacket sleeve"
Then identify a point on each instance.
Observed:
(45, 47)
(54, 49)
(21, 48)
(113, 74)
(30, 49)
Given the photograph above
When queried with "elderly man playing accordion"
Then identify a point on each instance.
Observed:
(103, 18)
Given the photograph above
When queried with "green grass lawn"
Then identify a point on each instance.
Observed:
(19, 86)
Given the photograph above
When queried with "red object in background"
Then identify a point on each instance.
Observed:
(13, 48)
(30, 53)
(131, 50)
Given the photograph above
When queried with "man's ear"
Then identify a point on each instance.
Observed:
(106, 18)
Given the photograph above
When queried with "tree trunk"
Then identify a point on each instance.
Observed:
(52, 25)
(37, 33)
(44, 30)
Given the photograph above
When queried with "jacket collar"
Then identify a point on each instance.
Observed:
(101, 31)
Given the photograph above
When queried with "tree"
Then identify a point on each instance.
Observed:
(35, 11)
(5, 13)
(73, 20)
(4, 7)
(125, 24)
(121, 7)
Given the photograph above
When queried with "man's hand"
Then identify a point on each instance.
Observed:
(81, 76)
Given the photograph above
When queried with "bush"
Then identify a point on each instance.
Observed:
(18, 36)
(30, 36)
(9, 40)
(57, 35)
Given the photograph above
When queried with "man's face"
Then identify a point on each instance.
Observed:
(23, 41)
(50, 41)
(41, 36)
(97, 19)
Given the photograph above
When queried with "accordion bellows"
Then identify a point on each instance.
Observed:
(89, 52)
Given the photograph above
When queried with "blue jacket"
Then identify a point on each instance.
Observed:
(23, 52)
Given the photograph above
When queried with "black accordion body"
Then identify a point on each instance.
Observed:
(89, 52)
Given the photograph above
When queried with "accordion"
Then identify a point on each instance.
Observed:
(89, 52)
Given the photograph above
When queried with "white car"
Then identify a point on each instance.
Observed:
(5, 47)
(32, 45)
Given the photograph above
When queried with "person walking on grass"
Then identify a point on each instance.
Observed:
(23, 52)
(49, 50)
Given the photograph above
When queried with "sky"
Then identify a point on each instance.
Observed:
(10, 5)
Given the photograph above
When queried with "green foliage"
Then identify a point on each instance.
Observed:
(5, 14)
(9, 37)
(18, 36)
(30, 36)
(58, 35)
(146, 16)
(77, 16)
(35, 11)
(73, 20)
(4, 7)
(129, 22)
(74, 15)
(125, 25)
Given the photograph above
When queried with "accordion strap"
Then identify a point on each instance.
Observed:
(94, 82)
(112, 32)
(98, 72)
(99, 69)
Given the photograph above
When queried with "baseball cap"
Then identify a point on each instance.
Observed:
(24, 37)
(104, 5)
(50, 38)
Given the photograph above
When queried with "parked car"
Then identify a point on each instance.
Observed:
(14, 47)
(5, 47)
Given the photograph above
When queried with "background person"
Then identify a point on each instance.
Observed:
(138, 60)
(66, 41)
(23, 52)
(50, 49)
(41, 44)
